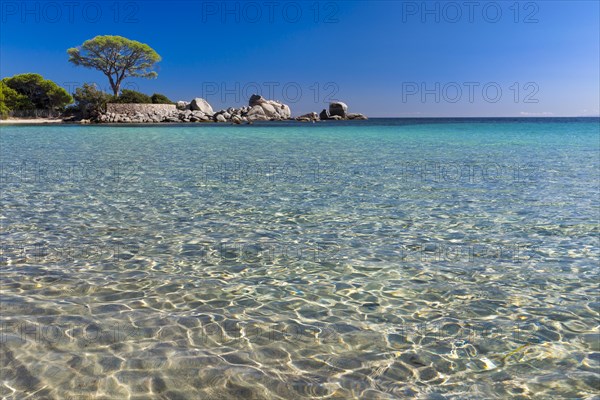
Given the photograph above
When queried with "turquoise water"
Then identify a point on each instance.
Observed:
(381, 259)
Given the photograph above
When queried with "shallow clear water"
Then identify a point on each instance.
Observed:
(379, 259)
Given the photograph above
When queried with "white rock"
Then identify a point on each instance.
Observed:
(310, 116)
(355, 116)
(256, 110)
(183, 105)
(270, 111)
(257, 117)
(199, 104)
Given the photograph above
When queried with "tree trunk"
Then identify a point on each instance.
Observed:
(113, 85)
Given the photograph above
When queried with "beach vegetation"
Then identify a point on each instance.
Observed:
(11, 100)
(32, 91)
(116, 57)
(90, 101)
(158, 98)
(131, 96)
(4, 110)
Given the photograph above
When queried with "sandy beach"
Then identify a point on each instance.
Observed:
(35, 121)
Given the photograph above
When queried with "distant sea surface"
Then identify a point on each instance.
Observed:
(380, 259)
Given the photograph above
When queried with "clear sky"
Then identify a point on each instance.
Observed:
(384, 58)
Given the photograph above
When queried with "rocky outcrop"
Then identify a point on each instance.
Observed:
(310, 117)
(262, 109)
(183, 105)
(199, 110)
(356, 116)
(338, 108)
(339, 111)
(324, 115)
(257, 113)
(255, 100)
(199, 104)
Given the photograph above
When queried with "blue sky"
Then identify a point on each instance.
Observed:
(384, 58)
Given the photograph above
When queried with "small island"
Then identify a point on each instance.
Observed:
(199, 110)
(29, 98)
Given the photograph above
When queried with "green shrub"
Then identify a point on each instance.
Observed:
(3, 107)
(3, 111)
(158, 98)
(11, 100)
(131, 96)
(32, 91)
(89, 101)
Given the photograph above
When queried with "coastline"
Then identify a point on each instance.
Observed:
(60, 121)
(32, 121)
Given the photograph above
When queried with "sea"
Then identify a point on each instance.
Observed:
(442, 258)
